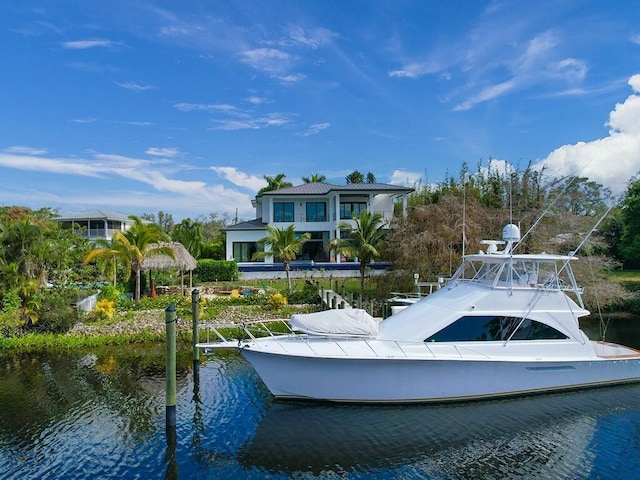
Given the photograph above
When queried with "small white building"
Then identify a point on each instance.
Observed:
(96, 224)
(316, 208)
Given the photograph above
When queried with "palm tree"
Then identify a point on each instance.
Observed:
(314, 178)
(282, 244)
(188, 233)
(113, 251)
(364, 241)
(132, 246)
(275, 183)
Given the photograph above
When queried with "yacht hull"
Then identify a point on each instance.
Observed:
(405, 380)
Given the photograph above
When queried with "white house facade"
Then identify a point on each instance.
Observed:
(314, 208)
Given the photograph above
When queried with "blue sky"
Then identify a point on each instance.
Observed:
(142, 106)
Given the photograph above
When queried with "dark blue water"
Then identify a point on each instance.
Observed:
(100, 414)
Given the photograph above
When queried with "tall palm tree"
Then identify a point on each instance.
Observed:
(364, 241)
(189, 234)
(314, 178)
(282, 244)
(275, 183)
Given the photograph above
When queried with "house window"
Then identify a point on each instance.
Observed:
(243, 251)
(316, 212)
(352, 209)
(315, 248)
(495, 328)
(283, 212)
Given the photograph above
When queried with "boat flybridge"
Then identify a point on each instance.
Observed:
(504, 324)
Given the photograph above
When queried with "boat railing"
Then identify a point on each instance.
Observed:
(249, 330)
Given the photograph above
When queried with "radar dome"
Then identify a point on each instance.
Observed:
(511, 233)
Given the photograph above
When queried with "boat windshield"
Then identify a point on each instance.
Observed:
(517, 272)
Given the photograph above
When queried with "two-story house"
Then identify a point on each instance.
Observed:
(316, 208)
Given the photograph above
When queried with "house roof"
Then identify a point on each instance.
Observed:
(95, 215)
(256, 224)
(319, 188)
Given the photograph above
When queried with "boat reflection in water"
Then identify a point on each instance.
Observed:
(546, 436)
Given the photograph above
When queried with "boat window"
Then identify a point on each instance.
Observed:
(495, 328)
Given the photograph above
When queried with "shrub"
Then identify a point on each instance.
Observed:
(110, 293)
(105, 309)
(209, 270)
(308, 294)
(56, 314)
(276, 301)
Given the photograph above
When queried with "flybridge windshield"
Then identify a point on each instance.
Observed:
(518, 272)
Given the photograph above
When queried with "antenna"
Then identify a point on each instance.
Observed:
(464, 210)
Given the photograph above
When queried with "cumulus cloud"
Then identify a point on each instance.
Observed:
(405, 178)
(611, 160)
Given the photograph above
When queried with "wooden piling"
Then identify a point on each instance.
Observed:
(170, 319)
(195, 317)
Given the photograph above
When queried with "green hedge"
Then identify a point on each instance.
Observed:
(209, 270)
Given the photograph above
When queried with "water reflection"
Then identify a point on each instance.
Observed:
(547, 435)
(101, 414)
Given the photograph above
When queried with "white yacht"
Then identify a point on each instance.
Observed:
(504, 324)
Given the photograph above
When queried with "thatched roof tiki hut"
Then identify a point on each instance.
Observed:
(184, 261)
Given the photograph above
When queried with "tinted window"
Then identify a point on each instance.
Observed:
(495, 328)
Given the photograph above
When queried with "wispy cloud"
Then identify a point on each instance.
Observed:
(314, 129)
(415, 70)
(267, 59)
(91, 43)
(135, 87)
(255, 123)
(291, 78)
(241, 179)
(24, 150)
(167, 152)
(207, 107)
(636, 38)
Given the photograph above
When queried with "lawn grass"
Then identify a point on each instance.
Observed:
(624, 276)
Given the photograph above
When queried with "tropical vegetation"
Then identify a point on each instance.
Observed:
(283, 244)
(45, 269)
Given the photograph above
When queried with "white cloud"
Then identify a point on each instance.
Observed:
(405, 178)
(239, 178)
(291, 78)
(207, 107)
(257, 100)
(267, 59)
(611, 160)
(636, 38)
(314, 129)
(415, 70)
(135, 87)
(269, 120)
(21, 149)
(163, 152)
(92, 43)
(313, 39)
